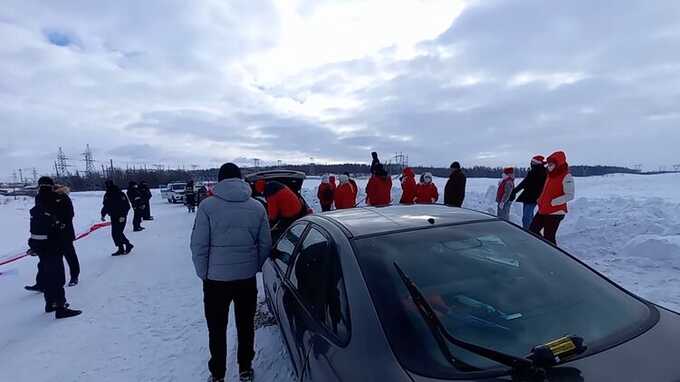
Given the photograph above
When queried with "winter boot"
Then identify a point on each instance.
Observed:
(65, 312)
(73, 282)
(138, 229)
(128, 248)
(246, 376)
(213, 379)
(49, 308)
(34, 288)
(120, 251)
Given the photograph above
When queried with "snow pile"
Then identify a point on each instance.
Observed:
(660, 250)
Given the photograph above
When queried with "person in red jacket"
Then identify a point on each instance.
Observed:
(426, 191)
(379, 188)
(408, 186)
(345, 194)
(559, 189)
(326, 193)
(283, 206)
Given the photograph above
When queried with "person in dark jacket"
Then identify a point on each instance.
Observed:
(137, 201)
(117, 206)
(531, 187)
(454, 192)
(229, 244)
(68, 233)
(146, 197)
(190, 196)
(45, 242)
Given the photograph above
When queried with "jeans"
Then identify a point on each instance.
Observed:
(548, 224)
(528, 215)
(217, 296)
(504, 213)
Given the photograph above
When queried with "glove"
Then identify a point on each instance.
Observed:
(31, 252)
(121, 220)
(142, 207)
(501, 205)
(103, 218)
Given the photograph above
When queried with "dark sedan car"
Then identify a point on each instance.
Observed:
(432, 293)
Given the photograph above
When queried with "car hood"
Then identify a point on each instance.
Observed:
(652, 356)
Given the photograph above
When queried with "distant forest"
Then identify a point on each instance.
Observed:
(155, 178)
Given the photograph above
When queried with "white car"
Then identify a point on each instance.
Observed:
(175, 192)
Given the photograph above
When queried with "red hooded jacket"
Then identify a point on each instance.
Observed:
(408, 187)
(379, 191)
(426, 193)
(345, 196)
(559, 187)
(282, 202)
(325, 193)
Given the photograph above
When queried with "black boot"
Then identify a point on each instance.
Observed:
(138, 229)
(49, 308)
(246, 376)
(34, 288)
(121, 251)
(128, 248)
(73, 282)
(65, 312)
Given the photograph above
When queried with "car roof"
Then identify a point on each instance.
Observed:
(380, 220)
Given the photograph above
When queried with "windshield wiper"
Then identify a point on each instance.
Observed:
(541, 357)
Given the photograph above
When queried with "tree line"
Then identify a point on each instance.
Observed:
(156, 178)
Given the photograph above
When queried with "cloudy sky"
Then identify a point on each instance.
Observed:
(203, 82)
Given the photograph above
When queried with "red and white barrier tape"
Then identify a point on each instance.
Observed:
(92, 228)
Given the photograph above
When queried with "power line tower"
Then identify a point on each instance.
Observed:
(88, 158)
(35, 175)
(62, 164)
(256, 162)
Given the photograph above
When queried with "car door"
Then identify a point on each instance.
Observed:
(275, 273)
(315, 303)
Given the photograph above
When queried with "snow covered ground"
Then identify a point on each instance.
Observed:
(143, 315)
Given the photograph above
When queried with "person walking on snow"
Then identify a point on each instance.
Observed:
(426, 191)
(531, 187)
(559, 189)
(117, 206)
(137, 202)
(146, 197)
(46, 243)
(190, 196)
(325, 193)
(454, 192)
(504, 193)
(229, 244)
(379, 187)
(408, 186)
(345, 194)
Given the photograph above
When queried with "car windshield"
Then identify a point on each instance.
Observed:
(493, 285)
(176, 187)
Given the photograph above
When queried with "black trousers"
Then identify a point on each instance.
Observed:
(147, 210)
(69, 252)
(137, 218)
(548, 224)
(117, 234)
(326, 207)
(217, 296)
(52, 278)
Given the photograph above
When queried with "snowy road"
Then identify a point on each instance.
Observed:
(143, 315)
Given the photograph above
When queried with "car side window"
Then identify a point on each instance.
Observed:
(283, 252)
(317, 277)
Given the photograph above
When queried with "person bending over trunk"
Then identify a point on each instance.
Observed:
(559, 189)
(284, 207)
(229, 244)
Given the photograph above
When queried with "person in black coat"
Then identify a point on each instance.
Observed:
(117, 206)
(65, 214)
(531, 188)
(190, 196)
(138, 205)
(45, 242)
(146, 197)
(454, 192)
